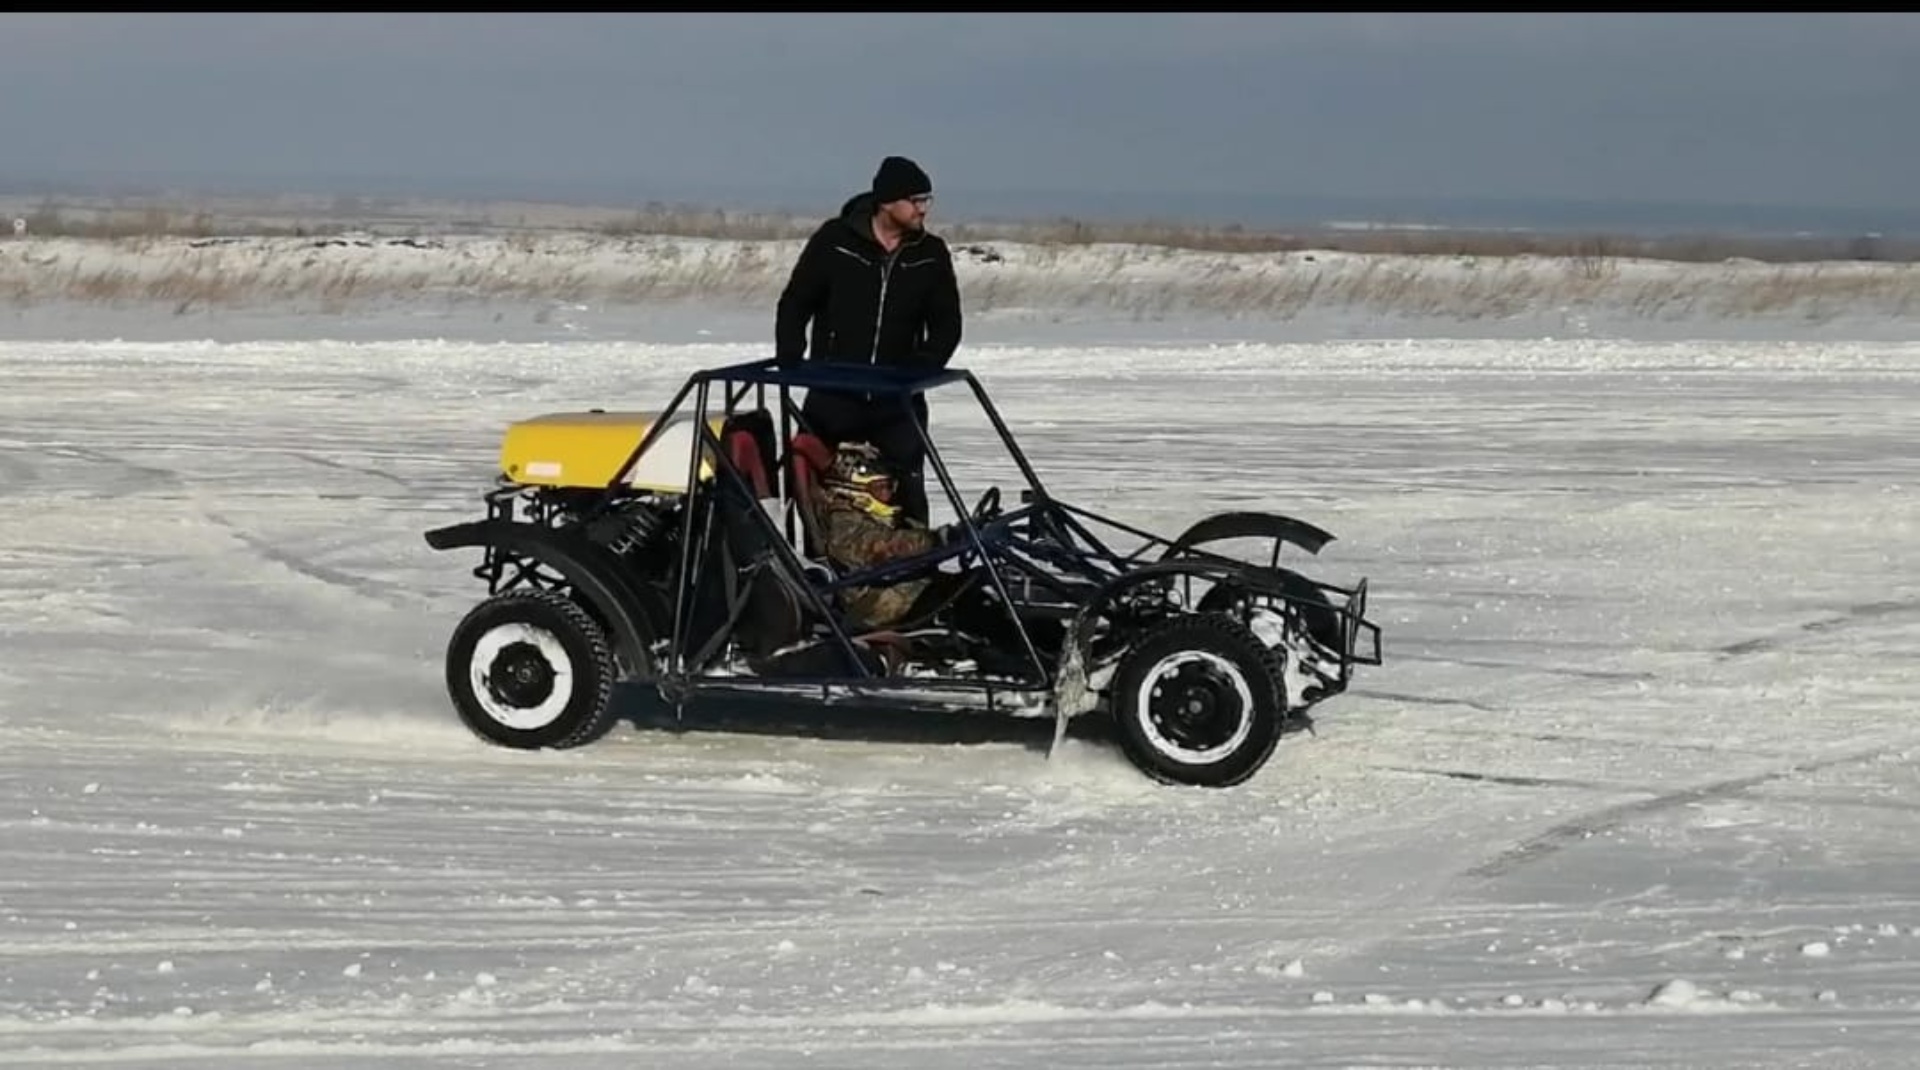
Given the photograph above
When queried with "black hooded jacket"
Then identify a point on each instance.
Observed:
(868, 306)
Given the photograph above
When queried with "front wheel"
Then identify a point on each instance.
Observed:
(1199, 700)
(529, 669)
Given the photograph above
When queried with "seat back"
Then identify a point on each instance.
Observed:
(740, 583)
(744, 451)
(748, 439)
(810, 460)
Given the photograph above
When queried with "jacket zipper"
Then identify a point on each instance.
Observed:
(880, 313)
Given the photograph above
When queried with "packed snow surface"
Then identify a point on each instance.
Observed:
(1635, 787)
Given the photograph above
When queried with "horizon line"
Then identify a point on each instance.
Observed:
(1261, 211)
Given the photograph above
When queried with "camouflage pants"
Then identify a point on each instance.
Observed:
(874, 608)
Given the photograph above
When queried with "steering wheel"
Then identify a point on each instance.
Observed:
(988, 506)
(984, 510)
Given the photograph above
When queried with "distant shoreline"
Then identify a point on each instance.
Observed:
(158, 215)
(1246, 210)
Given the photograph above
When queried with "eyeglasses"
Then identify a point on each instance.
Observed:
(921, 200)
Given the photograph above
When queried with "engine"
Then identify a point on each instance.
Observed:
(636, 529)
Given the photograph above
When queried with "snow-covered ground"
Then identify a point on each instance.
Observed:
(1635, 787)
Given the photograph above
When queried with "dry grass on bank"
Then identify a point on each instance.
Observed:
(1139, 281)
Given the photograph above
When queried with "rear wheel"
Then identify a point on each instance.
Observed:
(530, 669)
(1199, 700)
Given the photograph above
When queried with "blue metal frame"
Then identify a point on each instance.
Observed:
(757, 378)
(1049, 543)
(1003, 543)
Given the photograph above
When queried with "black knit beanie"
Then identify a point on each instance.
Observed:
(898, 179)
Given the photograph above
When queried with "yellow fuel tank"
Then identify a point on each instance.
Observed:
(585, 449)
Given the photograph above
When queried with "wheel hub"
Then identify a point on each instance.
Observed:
(521, 676)
(1195, 706)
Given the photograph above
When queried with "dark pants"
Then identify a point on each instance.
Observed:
(838, 418)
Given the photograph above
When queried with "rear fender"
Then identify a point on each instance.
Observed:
(1250, 525)
(636, 616)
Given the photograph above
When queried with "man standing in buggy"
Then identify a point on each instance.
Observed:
(879, 290)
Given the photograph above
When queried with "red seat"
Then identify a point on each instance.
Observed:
(810, 460)
(744, 450)
(811, 457)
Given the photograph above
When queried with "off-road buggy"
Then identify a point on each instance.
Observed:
(681, 549)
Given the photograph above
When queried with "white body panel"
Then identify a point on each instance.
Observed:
(663, 467)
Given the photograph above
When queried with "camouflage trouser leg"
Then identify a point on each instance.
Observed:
(873, 608)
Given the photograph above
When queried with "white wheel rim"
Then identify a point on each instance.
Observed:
(1143, 707)
(521, 718)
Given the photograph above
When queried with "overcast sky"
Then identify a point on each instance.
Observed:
(1783, 109)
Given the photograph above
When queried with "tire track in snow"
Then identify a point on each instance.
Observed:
(1852, 616)
(360, 586)
(354, 469)
(1565, 833)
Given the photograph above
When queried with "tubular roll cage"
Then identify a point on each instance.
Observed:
(1001, 543)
